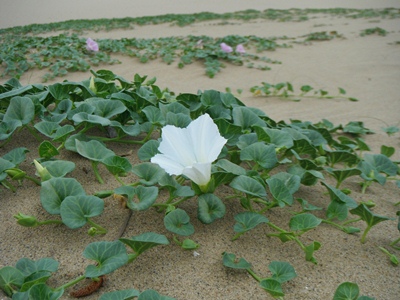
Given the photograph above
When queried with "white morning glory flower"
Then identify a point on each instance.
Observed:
(190, 151)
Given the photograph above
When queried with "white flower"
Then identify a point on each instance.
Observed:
(190, 151)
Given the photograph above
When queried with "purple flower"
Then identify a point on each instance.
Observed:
(226, 48)
(240, 49)
(91, 45)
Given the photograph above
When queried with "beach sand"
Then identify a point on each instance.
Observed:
(367, 67)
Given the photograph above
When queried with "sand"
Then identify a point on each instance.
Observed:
(368, 68)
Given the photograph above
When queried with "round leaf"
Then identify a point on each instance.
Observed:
(178, 221)
(304, 222)
(76, 209)
(210, 208)
(108, 255)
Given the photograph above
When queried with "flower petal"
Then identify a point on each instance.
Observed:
(199, 173)
(206, 139)
(170, 166)
(176, 145)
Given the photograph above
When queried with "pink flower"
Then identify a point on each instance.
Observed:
(91, 45)
(240, 49)
(226, 48)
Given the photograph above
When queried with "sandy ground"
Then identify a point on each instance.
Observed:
(368, 68)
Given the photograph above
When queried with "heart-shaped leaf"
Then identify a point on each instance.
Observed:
(304, 222)
(9, 278)
(28, 266)
(59, 168)
(47, 150)
(249, 186)
(93, 150)
(42, 291)
(75, 210)
(282, 271)
(146, 196)
(347, 291)
(148, 150)
(178, 221)
(108, 255)
(210, 208)
(262, 154)
(117, 165)
(145, 241)
(120, 295)
(272, 286)
(20, 109)
(229, 260)
(149, 173)
(55, 190)
(248, 220)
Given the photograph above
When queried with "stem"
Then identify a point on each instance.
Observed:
(363, 237)
(119, 180)
(96, 172)
(71, 283)
(254, 275)
(351, 221)
(37, 182)
(132, 257)
(99, 229)
(48, 222)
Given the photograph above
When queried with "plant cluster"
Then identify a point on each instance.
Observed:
(264, 163)
(68, 53)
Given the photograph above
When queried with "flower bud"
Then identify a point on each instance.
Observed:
(42, 171)
(92, 86)
(25, 220)
(16, 174)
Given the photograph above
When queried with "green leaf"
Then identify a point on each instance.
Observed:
(347, 291)
(47, 150)
(342, 174)
(246, 118)
(335, 157)
(20, 109)
(387, 151)
(117, 165)
(106, 108)
(230, 167)
(145, 241)
(10, 277)
(248, 220)
(42, 291)
(304, 222)
(368, 216)
(148, 150)
(277, 137)
(75, 210)
(272, 286)
(59, 168)
(337, 195)
(382, 163)
(249, 186)
(310, 249)
(55, 190)
(282, 271)
(29, 267)
(337, 210)
(93, 150)
(47, 128)
(210, 208)
(149, 173)
(178, 221)
(153, 295)
(154, 115)
(262, 154)
(92, 119)
(280, 191)
(16, 156)
(108, 255)
(146, 196)
(229, 260)
(120, 295)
